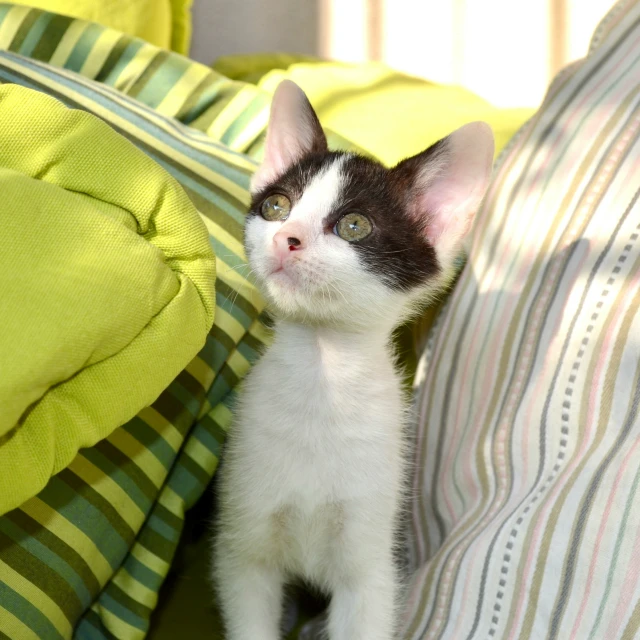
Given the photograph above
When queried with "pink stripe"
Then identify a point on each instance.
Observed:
(589, 131)
(541, 380)
(439, 345)
(545, 294)
(501, 433)
(600, 536)
(595, 388)
(628, 593)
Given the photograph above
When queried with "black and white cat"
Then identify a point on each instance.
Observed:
(344, 250)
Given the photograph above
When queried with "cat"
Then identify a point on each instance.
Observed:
(343, 250)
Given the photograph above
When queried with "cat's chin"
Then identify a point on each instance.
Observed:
(280, 280)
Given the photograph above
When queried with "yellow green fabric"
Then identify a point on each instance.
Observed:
(164, 23)
(107, 287)
(388, 113)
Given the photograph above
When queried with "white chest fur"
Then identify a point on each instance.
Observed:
(321, 418)
(312, 475)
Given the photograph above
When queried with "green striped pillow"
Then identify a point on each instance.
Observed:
(234, 113)
(525, 519)
(91, 550)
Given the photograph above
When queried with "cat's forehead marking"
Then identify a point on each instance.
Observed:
(322, 192)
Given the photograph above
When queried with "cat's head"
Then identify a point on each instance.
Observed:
(338, 238)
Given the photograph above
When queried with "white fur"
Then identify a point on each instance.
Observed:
(311, 484)
(312, 478)
(324, 283)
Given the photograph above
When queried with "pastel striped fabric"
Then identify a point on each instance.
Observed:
(526, 509)
(92, 549)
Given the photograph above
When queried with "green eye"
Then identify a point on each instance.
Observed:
(353, 227)
(275, 207)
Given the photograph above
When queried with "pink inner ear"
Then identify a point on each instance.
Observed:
(451, 192)
(293, 131)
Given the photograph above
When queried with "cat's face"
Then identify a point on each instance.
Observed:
(331, 238)
(335, 237)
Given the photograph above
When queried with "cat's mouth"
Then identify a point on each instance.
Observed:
(279, 274)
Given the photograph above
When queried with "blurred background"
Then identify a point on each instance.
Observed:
(506, 51)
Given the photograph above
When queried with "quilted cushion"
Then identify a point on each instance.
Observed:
(102, 256)
(88, 554)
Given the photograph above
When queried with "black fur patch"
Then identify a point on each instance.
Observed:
(397, 249)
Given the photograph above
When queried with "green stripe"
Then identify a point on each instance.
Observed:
(118, 475)
(162, 80)
(631, 501)
(83, 47)
(210, 434)
(44, 577)
(190, 404)
(115, 55)
(70, 582)
(239, 301)
(111, 77)
(156, 544)
(28, 613)
(156, 63)
(192, 467)
(140, 572)
(61, 549)
(128, 466)
(131, 611)
(4, 10)
(170, 409)
(91, 628)
(222, 385)
(34, 36)
(171, 519)
(50, 40)
(210, 210)
(24, 29)
(81, 488)
(192, 386)
(200, 98)
(222, 99)
(217, 348)
(256, 106)
(81, 513)
(150, 439)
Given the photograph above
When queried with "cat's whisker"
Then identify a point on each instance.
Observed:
(335, 288)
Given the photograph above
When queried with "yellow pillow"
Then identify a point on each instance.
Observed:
(388, 113)
(164, 23)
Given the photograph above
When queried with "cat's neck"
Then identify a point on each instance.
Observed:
(338, 342)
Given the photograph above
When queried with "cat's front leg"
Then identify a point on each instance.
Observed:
(365, 609)
(365, 585)
(250, 597)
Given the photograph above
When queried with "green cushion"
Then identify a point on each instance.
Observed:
(102, 256)
(88, 554)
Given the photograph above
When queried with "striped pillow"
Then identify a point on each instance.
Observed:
(525, 521)
(92, 549)
(234, 113)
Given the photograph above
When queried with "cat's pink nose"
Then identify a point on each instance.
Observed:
(287, 240)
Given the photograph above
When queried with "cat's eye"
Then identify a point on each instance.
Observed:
(353, 227)
(275, 207)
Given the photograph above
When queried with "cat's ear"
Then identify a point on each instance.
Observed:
(446, 184)
(293, 132)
